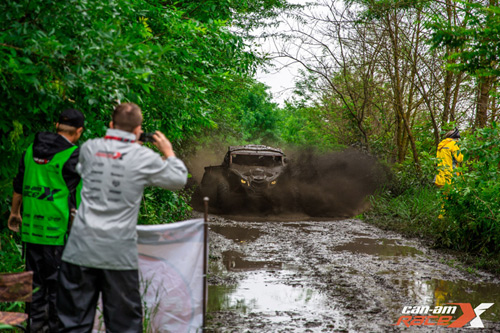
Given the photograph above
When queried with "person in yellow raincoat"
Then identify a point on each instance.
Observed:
(449, 157)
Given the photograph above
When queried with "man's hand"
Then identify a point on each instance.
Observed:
(163, 144)
(14, 222)
(72, 214)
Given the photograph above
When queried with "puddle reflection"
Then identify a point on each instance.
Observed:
(261, 291)
(237, 234)
(233, 261)
(439, 292)
(381, 247)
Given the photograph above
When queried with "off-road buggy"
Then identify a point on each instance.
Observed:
(249, 176)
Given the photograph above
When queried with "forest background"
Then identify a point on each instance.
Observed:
(388, 77)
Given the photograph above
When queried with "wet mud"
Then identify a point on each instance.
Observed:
(332, 276)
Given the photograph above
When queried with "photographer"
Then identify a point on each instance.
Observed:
(101, 253)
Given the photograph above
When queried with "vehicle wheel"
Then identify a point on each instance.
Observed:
(208, 188)
(211, 193)
(224, 201)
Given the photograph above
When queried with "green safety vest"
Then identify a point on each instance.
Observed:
(78, 193)
(45, 199)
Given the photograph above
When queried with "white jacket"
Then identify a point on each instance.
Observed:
(114, 171)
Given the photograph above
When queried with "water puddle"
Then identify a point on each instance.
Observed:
(274, 290)
(263, 292)
(237, 234)
(439, 292)
(381, 247)
(233, 261)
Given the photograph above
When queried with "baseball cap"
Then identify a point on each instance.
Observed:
(72, 117)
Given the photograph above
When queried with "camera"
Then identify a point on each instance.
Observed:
(146, 137)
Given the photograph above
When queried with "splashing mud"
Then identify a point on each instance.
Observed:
(313, 185)
(335, 184)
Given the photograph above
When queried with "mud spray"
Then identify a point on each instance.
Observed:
(330, 185)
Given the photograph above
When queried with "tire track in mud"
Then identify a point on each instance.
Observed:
(343, 276)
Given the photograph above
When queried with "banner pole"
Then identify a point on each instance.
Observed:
(205, 260)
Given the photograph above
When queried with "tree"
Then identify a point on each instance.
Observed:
(473, 49)
(173, 58)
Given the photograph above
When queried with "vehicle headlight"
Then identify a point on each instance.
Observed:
(273, 182)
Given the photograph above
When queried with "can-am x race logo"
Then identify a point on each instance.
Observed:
(442, 315)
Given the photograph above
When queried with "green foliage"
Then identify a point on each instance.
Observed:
(245, 115)
(259, 116)
(10, 252)
(307, 126)
(251, 116)
(177, 59)
(471, 223)
(5, 327)
(409, 202)
(149, 312)
(160, 206)
(10, 261)
(405, 178)
(476, 41)
(472, 208)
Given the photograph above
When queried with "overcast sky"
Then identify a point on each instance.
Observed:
(280, 80)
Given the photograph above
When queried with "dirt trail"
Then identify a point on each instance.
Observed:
(324, 276)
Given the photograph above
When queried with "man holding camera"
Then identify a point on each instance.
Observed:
(101, 253)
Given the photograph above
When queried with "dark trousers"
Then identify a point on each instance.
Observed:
(44, 261)
(78, 293)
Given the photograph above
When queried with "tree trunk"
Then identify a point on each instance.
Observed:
(494, 105)
(483, 97)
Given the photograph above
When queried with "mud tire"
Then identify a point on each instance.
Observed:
(208, 187)
(224, 201)
(211, 193)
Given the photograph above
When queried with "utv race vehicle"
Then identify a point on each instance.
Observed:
(249, 176)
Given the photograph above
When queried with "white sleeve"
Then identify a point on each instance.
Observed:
(170, 174)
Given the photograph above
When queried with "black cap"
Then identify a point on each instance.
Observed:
(72, 117)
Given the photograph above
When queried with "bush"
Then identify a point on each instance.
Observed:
(410, 203)
(10, 262)
(160, 206)
(472, 207)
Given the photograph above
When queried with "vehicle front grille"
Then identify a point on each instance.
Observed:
(259, 185)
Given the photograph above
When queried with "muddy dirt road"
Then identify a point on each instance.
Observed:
(332, 276)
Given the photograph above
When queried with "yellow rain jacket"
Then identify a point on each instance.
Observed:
(449, 155)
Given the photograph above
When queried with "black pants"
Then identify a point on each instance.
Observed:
(78, 294)
(44, 261)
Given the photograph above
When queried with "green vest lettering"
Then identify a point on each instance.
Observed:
(45, 199)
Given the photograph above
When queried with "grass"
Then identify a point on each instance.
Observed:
(149, 310)
(411, 213)
(414, 213)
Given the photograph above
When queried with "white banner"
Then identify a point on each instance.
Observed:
(171, 273)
